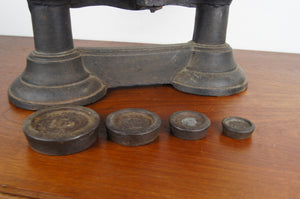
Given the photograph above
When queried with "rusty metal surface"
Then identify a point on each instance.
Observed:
(133, 127)
(132, 66)
(189, 125)
(128, 4)
(61, 130)
(237, 127)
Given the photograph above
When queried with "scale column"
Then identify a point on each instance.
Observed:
(54, 74)
(211, 24)
(212, 69)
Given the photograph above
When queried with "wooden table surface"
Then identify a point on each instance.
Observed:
(267, 165)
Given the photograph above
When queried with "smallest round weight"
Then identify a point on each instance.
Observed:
(132, 126)
(189, 125)
(61, 130)
(237, 127)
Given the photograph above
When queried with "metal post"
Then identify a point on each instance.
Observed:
(54, 74)
(211, 24)
(211, 69)
(52, 28)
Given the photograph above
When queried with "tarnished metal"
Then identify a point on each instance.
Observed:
(237, 127)
(128, 4)
(61, 130)
(189, 125)
(59, 74)
(133, 127)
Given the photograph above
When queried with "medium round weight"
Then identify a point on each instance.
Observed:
(133, 127)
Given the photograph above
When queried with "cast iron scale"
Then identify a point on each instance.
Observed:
(59, 74)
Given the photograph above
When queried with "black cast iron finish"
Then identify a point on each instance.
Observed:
(61, 130)
(189, 125)
(133, 127)
(238, 127)
(59, 74)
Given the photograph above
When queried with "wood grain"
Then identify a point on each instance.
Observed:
(265, 166)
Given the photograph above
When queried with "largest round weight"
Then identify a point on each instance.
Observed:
(61, 130)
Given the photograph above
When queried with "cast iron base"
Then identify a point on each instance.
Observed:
(58, 74)
(88, 72)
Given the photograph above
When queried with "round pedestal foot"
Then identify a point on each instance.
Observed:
(211, 84)
(35, 97)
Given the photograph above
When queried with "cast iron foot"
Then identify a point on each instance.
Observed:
(55, 79)
(211, 71)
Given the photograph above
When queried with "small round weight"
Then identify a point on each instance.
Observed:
(133, 127)
(189, 125)
(237, 127)
(61, 130)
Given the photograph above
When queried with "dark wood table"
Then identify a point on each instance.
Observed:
(265, 166)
